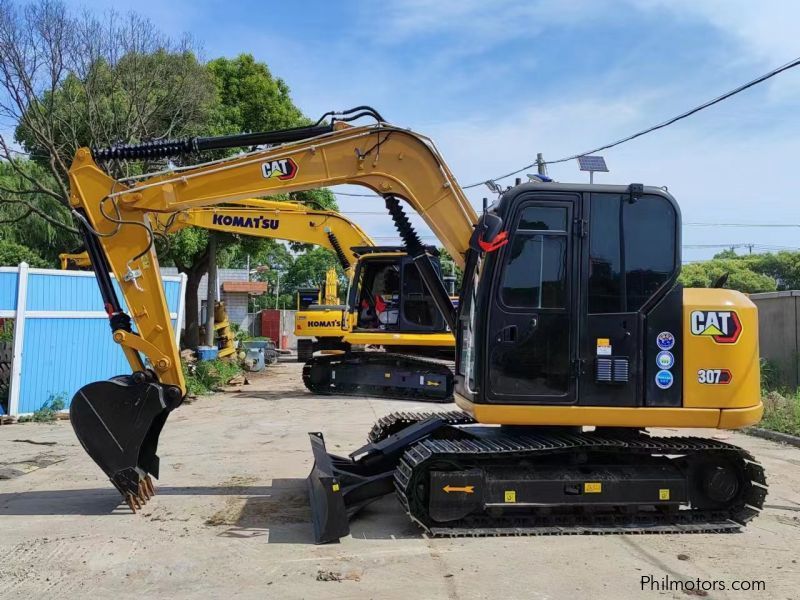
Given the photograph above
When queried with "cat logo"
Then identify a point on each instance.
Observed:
(281, 168)
(722, 326)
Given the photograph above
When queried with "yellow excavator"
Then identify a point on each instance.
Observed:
(74, 261)
(573, 337)
(327, 295)
(388, 305)
(400, 317)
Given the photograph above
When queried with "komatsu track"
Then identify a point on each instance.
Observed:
(381, 374)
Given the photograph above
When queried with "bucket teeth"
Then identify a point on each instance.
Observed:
(151, 489)
(145, 492)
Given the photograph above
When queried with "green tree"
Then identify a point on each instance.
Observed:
(310, 267)
(248, 98)
(11, 254)
(37, 221)
(740, 276)
(783, 267)
(449, 268)
(71, 79)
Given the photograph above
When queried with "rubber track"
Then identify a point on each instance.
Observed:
(411, 471)
(397, 421)
(391, 359)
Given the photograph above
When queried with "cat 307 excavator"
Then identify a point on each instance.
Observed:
(573, 337)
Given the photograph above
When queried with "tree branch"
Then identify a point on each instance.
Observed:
(39, 213)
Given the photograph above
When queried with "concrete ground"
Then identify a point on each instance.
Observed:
(231, 519)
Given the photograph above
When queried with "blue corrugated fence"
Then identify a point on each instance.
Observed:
(62, 340)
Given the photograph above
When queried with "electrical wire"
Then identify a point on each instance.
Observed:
(782, 225)
(668, 122)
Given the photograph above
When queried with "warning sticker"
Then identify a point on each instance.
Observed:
(603, 347)
(593, 487)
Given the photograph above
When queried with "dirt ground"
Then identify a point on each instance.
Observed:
(231, 519)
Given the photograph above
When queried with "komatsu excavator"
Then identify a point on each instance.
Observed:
(409, 326)
(573, 337)
(397, 314)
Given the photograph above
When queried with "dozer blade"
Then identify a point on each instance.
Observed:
(118, 423)
(339, 487)
(328, 511)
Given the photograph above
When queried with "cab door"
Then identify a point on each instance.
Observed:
(532, 324)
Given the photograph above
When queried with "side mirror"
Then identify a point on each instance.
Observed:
(488, 235)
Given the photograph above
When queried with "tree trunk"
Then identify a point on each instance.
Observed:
(211, 297)
(191, 334)
(194, 274)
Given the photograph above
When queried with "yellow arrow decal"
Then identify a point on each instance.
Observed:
(467, 489)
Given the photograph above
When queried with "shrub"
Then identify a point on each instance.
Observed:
(49, 410)
(781, 413)
(207, 376)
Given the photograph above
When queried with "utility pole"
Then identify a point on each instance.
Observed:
(211, 293)
(541, 166)
(277, 288)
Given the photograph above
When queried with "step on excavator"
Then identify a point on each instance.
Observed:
(573, 337)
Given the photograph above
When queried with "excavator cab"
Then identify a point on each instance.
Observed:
(389, 294)
(582, 308)
(567, 306)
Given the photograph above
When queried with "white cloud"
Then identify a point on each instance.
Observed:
(767, 29)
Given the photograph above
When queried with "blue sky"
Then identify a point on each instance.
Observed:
(495, 82)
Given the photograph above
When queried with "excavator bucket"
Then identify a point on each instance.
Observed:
(118, 422)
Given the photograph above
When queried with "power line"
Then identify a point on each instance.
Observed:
(675, 119)
(699, 224)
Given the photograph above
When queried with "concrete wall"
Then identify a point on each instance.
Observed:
(236, 305)
(778, 333)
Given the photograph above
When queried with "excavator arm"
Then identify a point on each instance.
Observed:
(119, 421)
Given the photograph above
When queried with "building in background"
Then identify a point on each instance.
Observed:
(235, 290)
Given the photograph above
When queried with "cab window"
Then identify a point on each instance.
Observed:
(632, 251)
(536, 263)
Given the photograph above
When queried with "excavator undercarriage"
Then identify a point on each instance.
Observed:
(456, 478)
